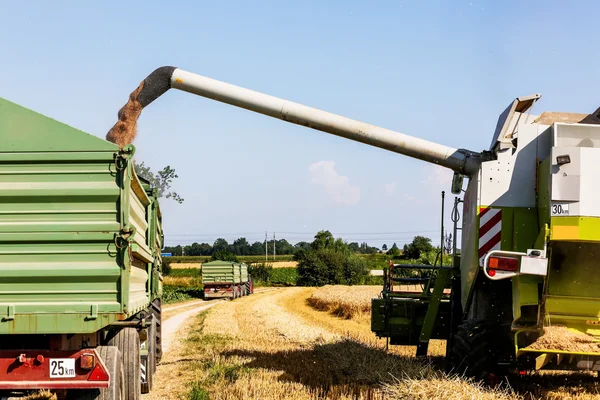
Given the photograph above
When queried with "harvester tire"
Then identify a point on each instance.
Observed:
(472, 353)
(111, 356)
(127, 340)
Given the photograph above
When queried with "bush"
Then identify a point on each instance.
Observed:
(174, 294)
(284, 276)
(260, 272)
(166, 266)
(265, 275)
(330, 266)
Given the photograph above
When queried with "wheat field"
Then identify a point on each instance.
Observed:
(345, 301)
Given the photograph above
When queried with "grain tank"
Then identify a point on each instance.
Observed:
(529, 231)
(80, 283)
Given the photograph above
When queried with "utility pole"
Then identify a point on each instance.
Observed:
(266, 247)
(274, 246)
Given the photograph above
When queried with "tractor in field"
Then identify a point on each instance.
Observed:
(530, 232)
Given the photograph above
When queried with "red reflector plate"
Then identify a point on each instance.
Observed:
(503, 263)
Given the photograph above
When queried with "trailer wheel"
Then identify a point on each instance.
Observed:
(150, 361)
(111, 356)
(473, 352)
(157, 313)
(127, 340)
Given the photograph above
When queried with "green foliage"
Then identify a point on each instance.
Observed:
(329, 261)
(161, 181)
(394, 251)
(197, 392)
(323, 240)
(420, 244)
(330, 266)
(174, 294)
(241, 247)
(260, 272)
(265, 275)
(186, 272)
(284, 276)
(224, 255)
(166, 266)
(244, 259)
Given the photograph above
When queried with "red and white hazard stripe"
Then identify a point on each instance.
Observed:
(490, 231)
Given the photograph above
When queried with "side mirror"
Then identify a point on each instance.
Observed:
(457, 183)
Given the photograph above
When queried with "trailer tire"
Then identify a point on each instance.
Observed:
(127, 340)
(473, 352)
(151, 364)
(113, 360)
(157, 314)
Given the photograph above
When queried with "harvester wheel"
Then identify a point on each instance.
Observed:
(111, 356)
(127, 340)
(472, 353)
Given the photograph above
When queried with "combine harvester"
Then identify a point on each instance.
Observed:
(530, 232)
(80, 242)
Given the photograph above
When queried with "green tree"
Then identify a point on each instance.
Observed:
(162, 180)
(241, 247)
(354, 247)
(301, 246)
(223, 255)
(323, 240)
(394, 250)
(418, 246)
(329, 266)
(220, 245)
(329, 261)
(284, 247)
(257, 249)
(384, 247)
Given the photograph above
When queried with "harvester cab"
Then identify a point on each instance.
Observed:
(530, 232)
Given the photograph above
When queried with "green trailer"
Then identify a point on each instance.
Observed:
(226, 280)
(80, 265)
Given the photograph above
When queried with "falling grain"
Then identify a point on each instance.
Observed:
(125, 130)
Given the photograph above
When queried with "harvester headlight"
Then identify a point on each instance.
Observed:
(564, 159)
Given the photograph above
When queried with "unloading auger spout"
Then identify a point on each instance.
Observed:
(164, 78)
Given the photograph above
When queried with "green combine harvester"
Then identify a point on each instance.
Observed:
(522, 294)
(80, 265)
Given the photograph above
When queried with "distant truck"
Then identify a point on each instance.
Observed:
(226, 280)
(80, 264)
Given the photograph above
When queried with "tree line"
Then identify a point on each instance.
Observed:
(241, 247)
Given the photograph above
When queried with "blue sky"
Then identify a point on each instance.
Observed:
(440, 70)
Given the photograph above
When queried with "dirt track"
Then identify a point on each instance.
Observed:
(273, 345)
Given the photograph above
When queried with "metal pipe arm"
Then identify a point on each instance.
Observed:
(158, 82)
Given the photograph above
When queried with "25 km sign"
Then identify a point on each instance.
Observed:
(559, 209)
(62, 368)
